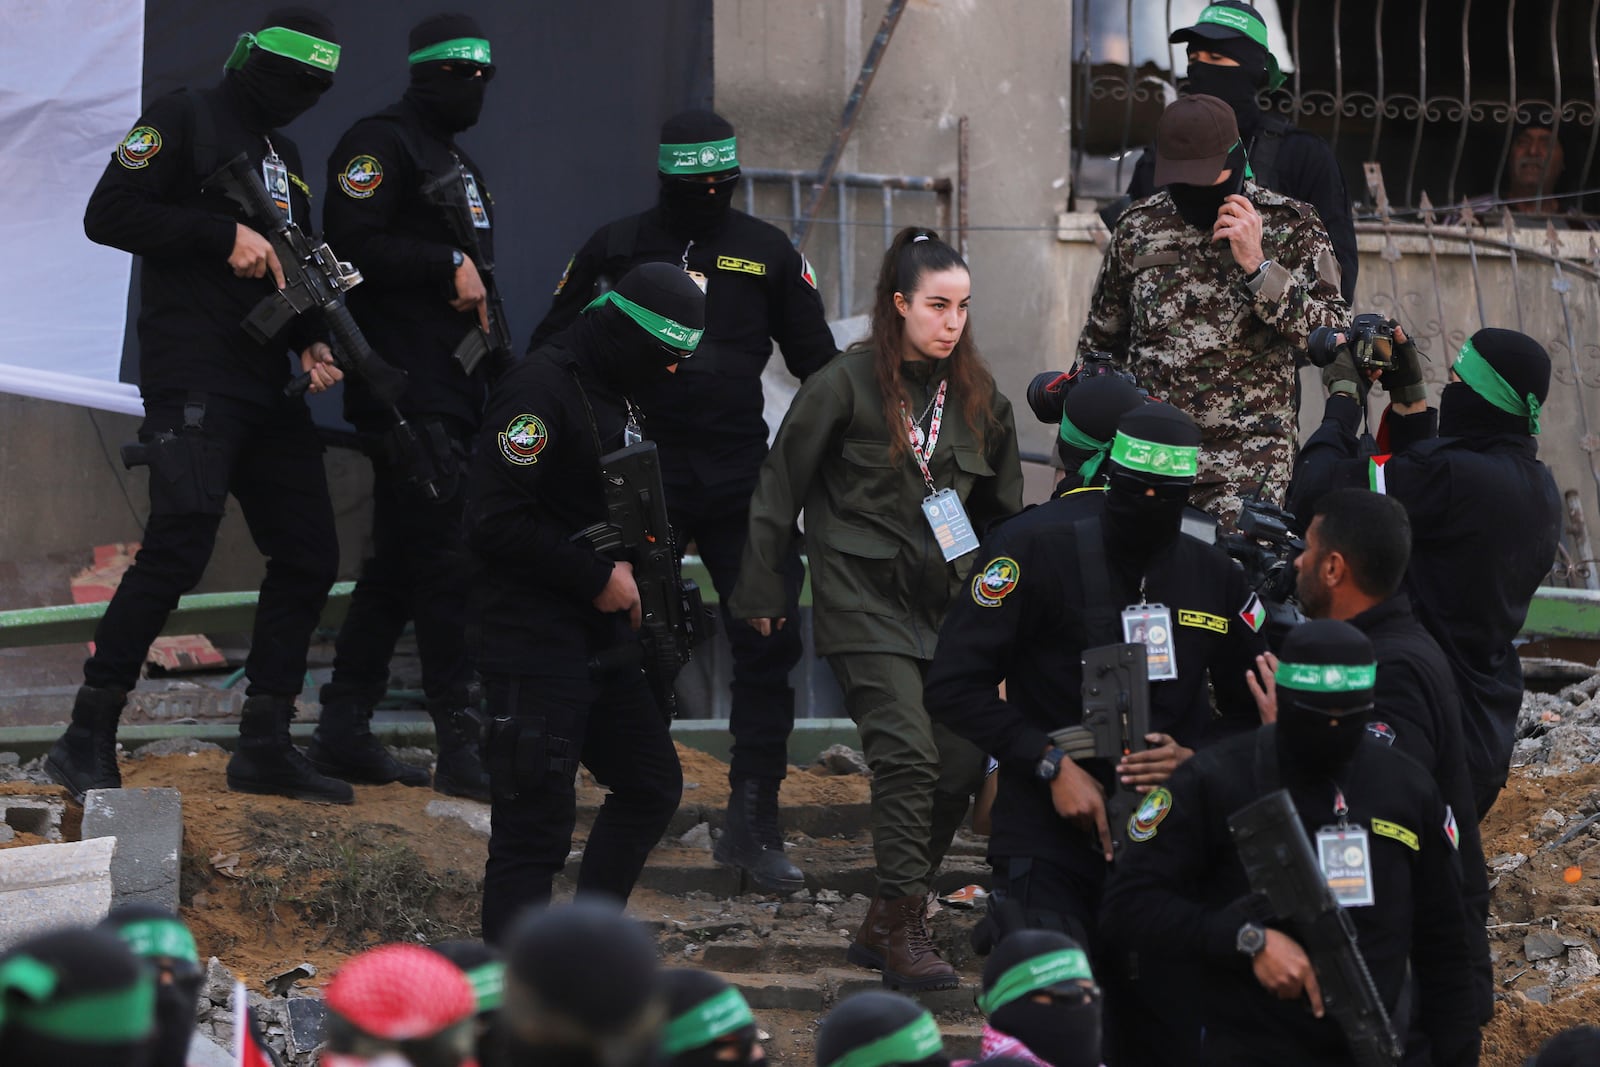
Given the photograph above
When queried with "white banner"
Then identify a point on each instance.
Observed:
(70, 82)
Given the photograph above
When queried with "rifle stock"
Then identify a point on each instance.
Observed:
(1116, 717)
(1278, 860)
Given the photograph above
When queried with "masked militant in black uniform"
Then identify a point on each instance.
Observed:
(1485, 517)
(1380, 848)
(217, 420)
(556, 618)
(423, 294)
(708, 421)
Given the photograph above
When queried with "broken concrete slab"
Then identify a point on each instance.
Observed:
(471, 812)
(148, 827)
(37, 815)
(43, 887)
(1542, 945)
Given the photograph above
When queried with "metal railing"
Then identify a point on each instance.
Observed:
(1432, 90)
(847, 238)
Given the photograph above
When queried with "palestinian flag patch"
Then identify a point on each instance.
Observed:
(1254, 613)
(807, 275)
(1377, 478)
(1450, 832)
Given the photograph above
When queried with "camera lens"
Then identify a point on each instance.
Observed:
(1047, 393)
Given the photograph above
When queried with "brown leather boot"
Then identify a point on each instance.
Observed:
(896, 931)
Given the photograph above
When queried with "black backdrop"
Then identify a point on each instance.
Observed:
(568, 134)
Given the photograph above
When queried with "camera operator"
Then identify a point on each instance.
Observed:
(1207, 291)
(1485, 515)
(1356, 551)
(1085, 404)
(1051, 583)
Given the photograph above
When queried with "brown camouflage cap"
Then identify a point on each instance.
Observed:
(1193, 140)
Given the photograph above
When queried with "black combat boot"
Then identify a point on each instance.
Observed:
(268, 762)
(85, 757)
(345, 747)
(459, 772)
(750, 837)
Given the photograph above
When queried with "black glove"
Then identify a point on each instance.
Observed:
(1403, 381)
(1340, 377)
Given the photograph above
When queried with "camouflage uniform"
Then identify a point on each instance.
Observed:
(1175, 307)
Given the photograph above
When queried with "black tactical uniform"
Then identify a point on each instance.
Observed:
(535, 484)
(1179, 897)
(1485, 519)
(216, 418)
(708, 421)
(379, 217)
(1286, 160)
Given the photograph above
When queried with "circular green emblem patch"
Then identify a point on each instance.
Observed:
(995, 582)
(361, 177)
(139, 147)
(1157, 806)
(523, 439)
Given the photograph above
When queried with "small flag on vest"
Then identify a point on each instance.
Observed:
(1254, 613)
(1450, 832)
(1377, 480)
(807, 275)
(250, 1049)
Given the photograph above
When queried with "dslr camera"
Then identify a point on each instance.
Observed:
(1369, 338)
(1047, 393)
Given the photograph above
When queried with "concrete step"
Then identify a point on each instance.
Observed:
(821, 989)
(847, 870)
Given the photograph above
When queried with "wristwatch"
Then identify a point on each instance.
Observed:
(1049, 765)
(1261, 269)
(457, 257)
(1251, 939)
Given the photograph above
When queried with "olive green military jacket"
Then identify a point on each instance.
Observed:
(878, 579)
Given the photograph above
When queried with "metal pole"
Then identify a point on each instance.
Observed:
(961, 186)
(847, 121)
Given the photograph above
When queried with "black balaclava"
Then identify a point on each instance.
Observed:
(272, 90)
(632, 353)
(581, 989)
(1577, 1047)
(92, 971)
(486, 971)
(1235, 86)
(869, 1017)
(160, 938)
(1063, 1034)
(1150, 439)
(1199, 204)
(446, 100)
(1326, 672)
(691, 207)
(1524, 365)
(703, 1013)
(1091, 413)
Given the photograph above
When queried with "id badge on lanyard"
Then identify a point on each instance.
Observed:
(480, 214)
(275, 176)
(1150, 625)
(1345, 857)
(947, 518)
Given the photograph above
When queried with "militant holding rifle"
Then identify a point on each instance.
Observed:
(673, 617)
(1277, 858)
(448, 192)
(1116, 716)
(315, 281)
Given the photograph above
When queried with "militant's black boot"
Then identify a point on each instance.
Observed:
(85, 757)
(459, 772)
(344, 747)
(267, 761)
(751, 840)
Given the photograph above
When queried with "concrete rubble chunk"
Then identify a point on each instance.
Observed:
(148, 827)
(37, 815)
(1539, 994)
(1582, 965)
(45, 886)
(842, 759)
(1542, 945)
(1506, 862)
(698, 836)
(204, 1052)
(474, 814)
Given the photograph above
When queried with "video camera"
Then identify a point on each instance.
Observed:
(1266, 547)
(1369, 338)
(1047, 393)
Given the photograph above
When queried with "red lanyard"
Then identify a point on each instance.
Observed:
(933, 433)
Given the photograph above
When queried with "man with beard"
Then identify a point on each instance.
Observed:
(1485, 516)
(1083, 571)
(1228, 59)
(708, 421)
(216, 417)
(556, 617)
(1385, 841)
(1207, 291)
(421, 294)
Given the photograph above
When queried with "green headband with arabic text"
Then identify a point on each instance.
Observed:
(1327, 677)
(1040, 972)
(472, 49)
(1252, 27)
(705, 157)
(1480, 375)
(1153, 457)
(672, 333)
(705, 1022)
(291, 44)
(159, 937)
(113, 1017)
(915, 1041)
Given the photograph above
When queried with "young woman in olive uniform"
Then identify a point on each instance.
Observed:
(901, 451)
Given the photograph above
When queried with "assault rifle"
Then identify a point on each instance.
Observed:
(314, 283)
(448, 192)
(674, 619)
(1277, 858)
(1116, 716)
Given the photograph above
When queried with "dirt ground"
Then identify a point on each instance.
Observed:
(270, 883)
